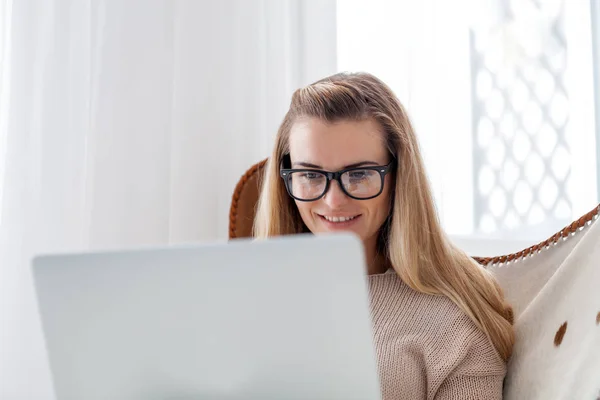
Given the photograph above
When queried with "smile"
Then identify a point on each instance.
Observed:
(338, 219)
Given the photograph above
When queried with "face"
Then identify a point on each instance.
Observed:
(315, 144)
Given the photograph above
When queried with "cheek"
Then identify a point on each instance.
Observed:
(380, 208)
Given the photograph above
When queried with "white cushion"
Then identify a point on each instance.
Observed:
(557, 286)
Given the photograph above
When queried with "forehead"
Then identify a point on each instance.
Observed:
(335, 145)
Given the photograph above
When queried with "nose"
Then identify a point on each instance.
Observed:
(335, 197)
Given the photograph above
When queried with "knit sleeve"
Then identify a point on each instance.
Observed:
(478, 373)
(466, 387)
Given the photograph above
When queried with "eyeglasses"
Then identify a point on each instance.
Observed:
(361, 183)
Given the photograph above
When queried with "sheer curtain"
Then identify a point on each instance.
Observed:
(128, 123)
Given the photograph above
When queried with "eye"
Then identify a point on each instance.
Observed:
(359, 174)
(310, 175)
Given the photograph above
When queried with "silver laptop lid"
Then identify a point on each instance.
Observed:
(285, 318)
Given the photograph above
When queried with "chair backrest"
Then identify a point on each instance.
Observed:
(243, 202)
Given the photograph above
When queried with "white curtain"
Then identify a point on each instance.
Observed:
(127, 123)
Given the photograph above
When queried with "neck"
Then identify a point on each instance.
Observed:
(376, 263)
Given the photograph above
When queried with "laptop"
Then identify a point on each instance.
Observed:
(284, 318)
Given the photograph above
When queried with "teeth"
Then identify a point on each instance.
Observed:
(338, 219)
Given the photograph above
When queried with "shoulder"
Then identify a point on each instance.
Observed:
(450, 339)
(389, 294)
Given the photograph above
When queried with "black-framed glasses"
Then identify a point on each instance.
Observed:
(360, 183)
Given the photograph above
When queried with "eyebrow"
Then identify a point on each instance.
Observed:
(355, 165)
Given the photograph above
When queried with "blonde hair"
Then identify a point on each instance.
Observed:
(412, 239)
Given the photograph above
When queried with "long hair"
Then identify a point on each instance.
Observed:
(412, 238)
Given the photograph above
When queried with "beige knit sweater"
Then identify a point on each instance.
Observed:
(427, 348)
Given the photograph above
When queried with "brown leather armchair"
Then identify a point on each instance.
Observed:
(246, 192)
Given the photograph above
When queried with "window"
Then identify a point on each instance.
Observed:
(502, 101)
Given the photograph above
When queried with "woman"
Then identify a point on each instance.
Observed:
(346, 159)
